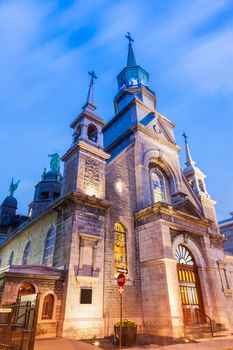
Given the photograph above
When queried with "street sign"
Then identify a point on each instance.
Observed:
(121, 270)
(121, 279)
(121, 290)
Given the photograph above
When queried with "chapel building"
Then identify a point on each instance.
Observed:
(122, 205)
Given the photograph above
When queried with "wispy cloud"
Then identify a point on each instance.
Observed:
(49, 47)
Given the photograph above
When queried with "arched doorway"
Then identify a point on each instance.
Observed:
(191, 298)
(26, 292)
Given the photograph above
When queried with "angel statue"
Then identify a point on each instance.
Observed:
(13, 187)
(55, 162)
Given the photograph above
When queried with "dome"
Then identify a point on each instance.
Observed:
(52, 176)
(10, 201)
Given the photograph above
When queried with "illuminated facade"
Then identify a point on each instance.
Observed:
(122, 205)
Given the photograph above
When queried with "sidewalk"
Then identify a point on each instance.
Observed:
(71, 344)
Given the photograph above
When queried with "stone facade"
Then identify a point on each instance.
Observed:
(124, 174)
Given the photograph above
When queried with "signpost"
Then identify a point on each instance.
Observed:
(121, 283)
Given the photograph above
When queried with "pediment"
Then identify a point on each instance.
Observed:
(154, 123)
(186, 207)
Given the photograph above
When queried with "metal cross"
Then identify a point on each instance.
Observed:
(93, 76)
(185, 137)
(128, 36)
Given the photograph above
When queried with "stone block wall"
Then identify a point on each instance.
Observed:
(80, 245)
(122, 168)
(160, 290)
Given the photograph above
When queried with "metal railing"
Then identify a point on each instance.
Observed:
(201, 316)
(18, 325)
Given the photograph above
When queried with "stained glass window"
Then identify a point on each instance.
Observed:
(158, 187)
(120, 250)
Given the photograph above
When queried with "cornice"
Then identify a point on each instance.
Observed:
(81, 198)
(168, 209)
(83, 145)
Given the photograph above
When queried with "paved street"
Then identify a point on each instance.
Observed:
(70, 344)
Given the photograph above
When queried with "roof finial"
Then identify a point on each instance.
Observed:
(13, 187)
(185, 137)
(90, 96)
(129, 37)
(189, 160)
(131, 61)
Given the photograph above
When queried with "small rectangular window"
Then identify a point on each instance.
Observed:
(86, 296)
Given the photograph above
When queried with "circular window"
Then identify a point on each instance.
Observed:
(119, 186)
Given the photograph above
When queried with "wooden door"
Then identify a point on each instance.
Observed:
(191, 298)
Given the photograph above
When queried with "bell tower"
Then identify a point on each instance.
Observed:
(84, 168)
(82, 217)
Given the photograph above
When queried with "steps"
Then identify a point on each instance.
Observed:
(203, 330)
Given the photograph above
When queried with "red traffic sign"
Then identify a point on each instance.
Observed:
(121, 279)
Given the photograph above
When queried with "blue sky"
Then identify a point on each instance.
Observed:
(47, 48)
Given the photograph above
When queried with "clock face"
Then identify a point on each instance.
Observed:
(119, 186)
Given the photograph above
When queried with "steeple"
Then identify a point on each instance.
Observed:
(189, 160)
(90, 95)
(131, 61)
(84, 162)
(132, 76)
(193, 174)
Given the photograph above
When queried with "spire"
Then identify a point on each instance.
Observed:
(90, 96)
(131, 61)
(189, 160)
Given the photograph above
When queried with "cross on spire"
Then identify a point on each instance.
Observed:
(131, 61)
(189, 160)
(90, 95)
(128, 36)
(93, 76)
(185, 137)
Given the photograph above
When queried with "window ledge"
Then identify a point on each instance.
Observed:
(227, 292)
(47, 321)
(86, 278)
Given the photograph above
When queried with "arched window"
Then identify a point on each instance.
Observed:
(11, 257)
(120, 250)
(48, 304)
(92, 132)
(49, 247)
(26, 289)
(201, 186)
(77, 133)
(158, 186)
(26, 253)
(183, 255)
